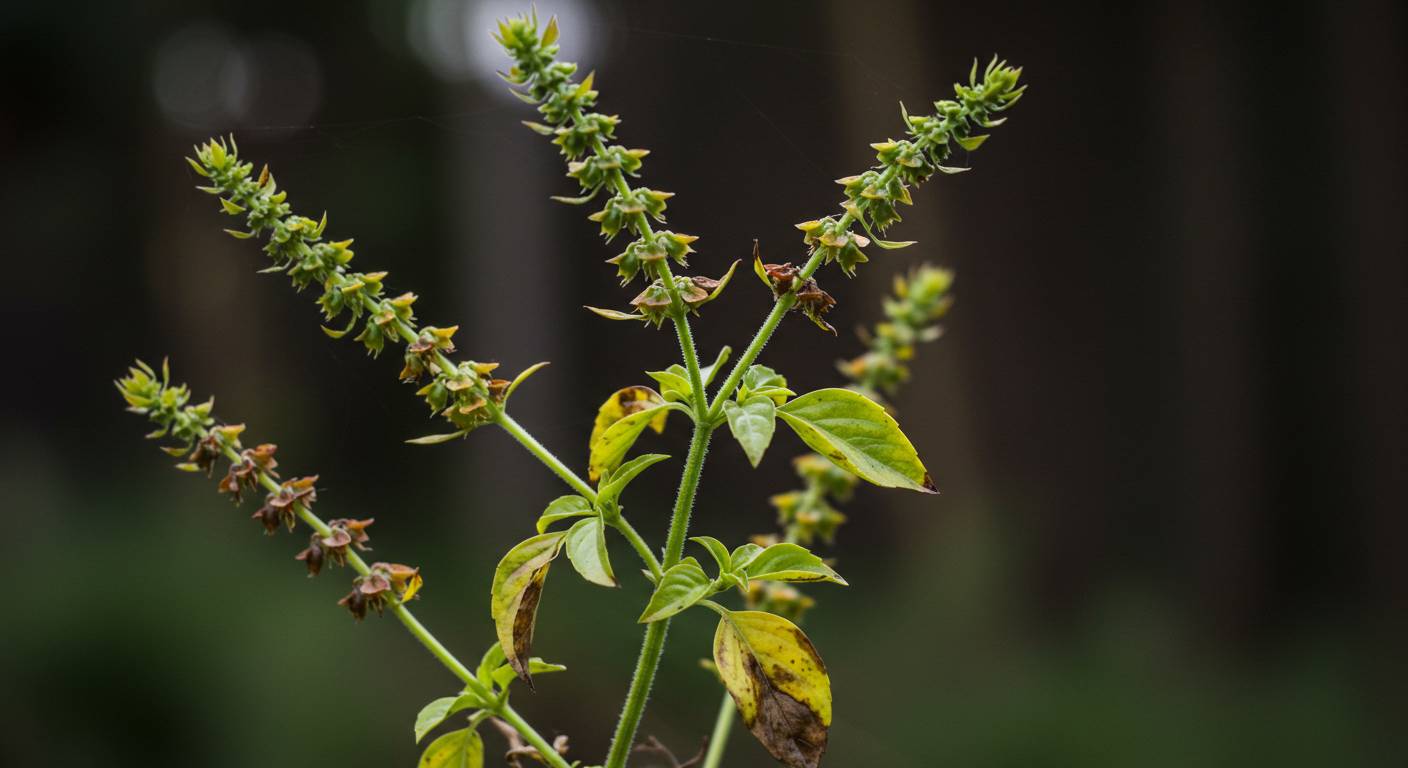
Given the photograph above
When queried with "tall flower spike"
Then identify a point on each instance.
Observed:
(461, 392)
(167, 405)
(582, 137)
(873, 197)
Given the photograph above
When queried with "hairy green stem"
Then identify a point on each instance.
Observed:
(679, 313)
(536, 448)
(420, 633)
(718, 740)
(654, 644)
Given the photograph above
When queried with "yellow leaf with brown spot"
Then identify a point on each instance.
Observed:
(456, 749)
(619, 422)
(513, 599)
(779, 683)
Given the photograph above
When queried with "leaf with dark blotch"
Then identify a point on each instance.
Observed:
(517, 587)
(779, 683)
(456, 749)
(619, 422)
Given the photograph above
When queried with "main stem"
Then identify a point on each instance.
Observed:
(654, 644)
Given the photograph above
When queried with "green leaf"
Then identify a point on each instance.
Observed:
(743, 555)
(716, 549)
(790, 562)
(456, 749)
(513, 598)
(616, 314)
(437, 439)
(586, 548)
(682, 585)
(504, 675)
(615, 483)
(708, 372)
(779, 683)
(563, 508)
(858, 436)
(492, 660)
(761, 376)
(674, 383)
(522, 377)
(971, 143)
(752, 424)
(619, 421)
(764, 381)
(435, 712)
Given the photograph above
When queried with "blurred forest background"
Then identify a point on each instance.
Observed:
(1167, 417)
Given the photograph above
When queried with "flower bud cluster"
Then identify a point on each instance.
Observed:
(806, 515)
(873, 197)
(197, 433)
(296, 246)
(920, 299)
(582, 136)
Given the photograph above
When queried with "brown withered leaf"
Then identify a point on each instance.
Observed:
(514, 596)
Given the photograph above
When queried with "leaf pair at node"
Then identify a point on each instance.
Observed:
(852, 431)
(686, 584)
(463, 748)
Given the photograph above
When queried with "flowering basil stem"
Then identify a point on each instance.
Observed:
(770, 671)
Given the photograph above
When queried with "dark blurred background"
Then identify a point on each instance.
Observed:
(1168, 415)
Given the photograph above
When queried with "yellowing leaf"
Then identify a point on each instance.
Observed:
(619, 421)
(456, 749)
(779, 683)
(513, 598)
(857, 435)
